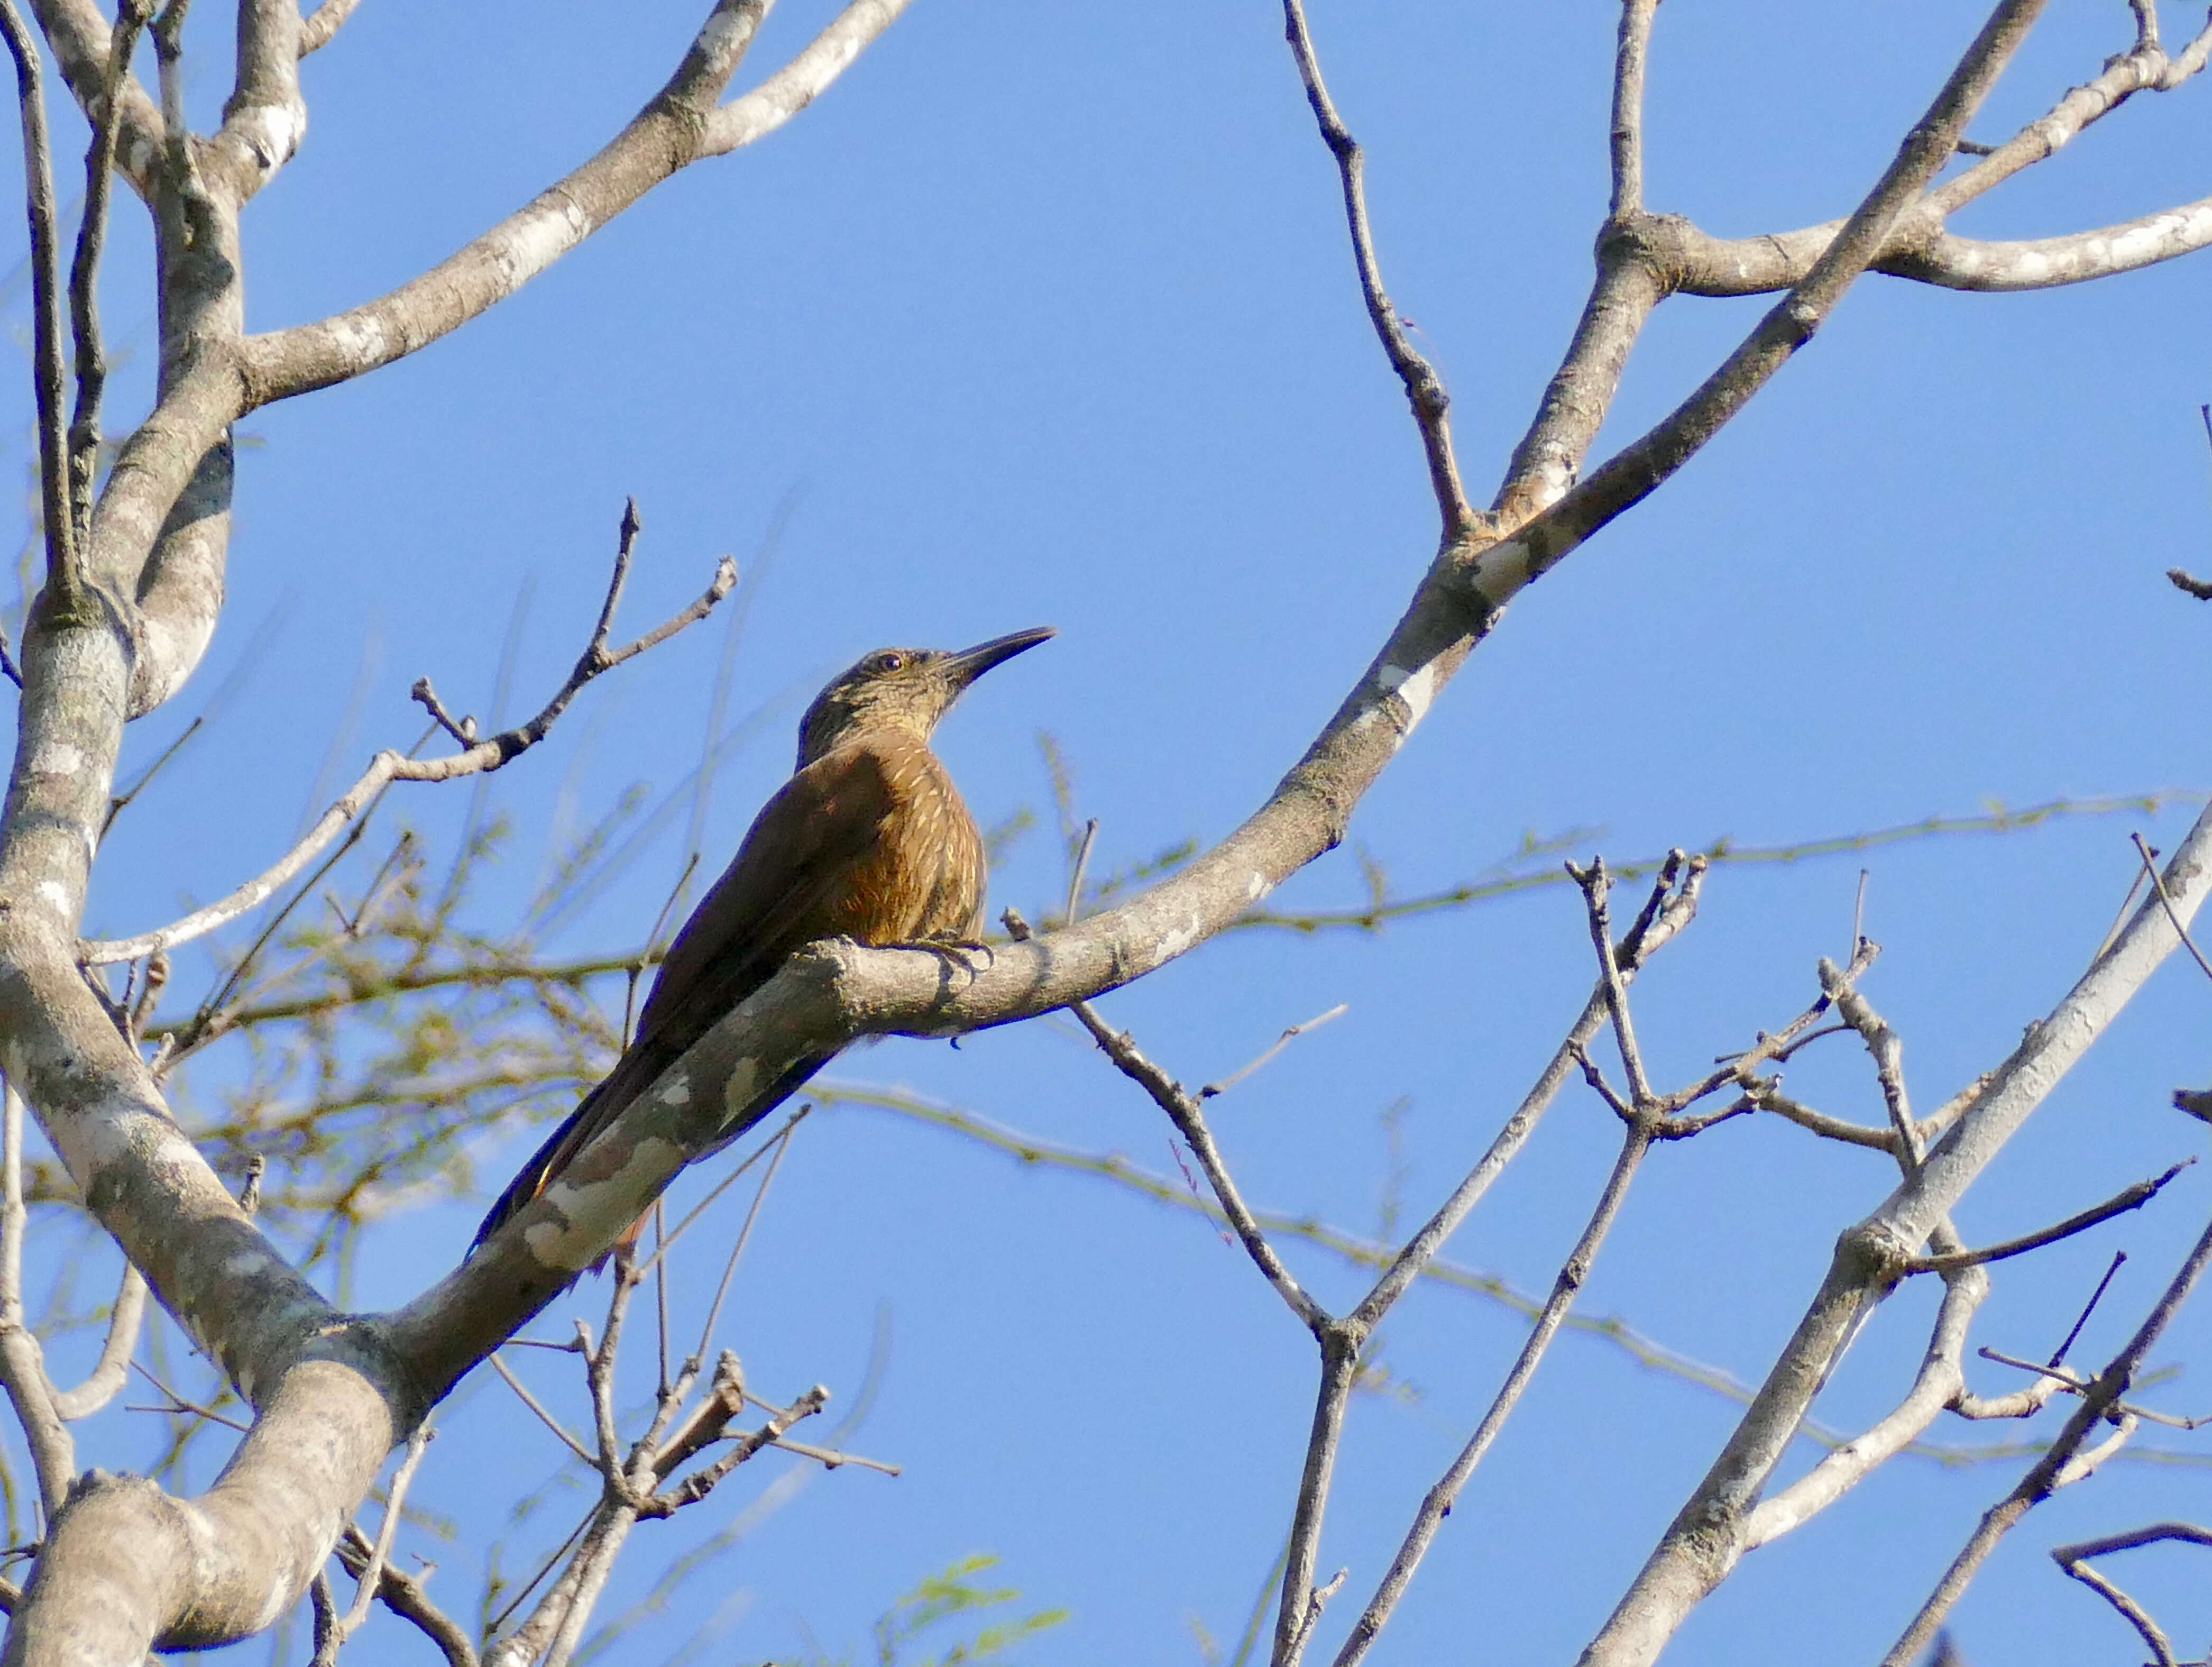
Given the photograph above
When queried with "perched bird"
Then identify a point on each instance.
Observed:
(868, 840)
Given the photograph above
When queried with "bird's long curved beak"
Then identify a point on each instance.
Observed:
(971, 663)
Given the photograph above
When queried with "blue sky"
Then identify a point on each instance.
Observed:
(1044, 315)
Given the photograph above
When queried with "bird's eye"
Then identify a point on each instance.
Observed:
(890, 660)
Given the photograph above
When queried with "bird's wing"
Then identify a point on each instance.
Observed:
(772, 897)
(798, 848)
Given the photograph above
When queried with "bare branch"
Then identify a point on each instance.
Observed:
(388, 767)
(317, 27)
(1182, 1110)
(80, 33)
(1888, 1053)
(1437, 1503)
(2063, 1463)
(265, 116)
(22, 1363)
(1701, 1544)
(2134, 1197)
(331, 1630)
(1280, 1042)
(1495, 574)
(112, 1370)
(1634, 49)
(806, 78)
(1425, 389)
(403, 1595)
(2150, 867)
(538, 1407)
(130, 18)
(678, 126)
(63, 569)
(2073, 1559)
(1939, 1384)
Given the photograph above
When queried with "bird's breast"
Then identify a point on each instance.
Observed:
(924, 877)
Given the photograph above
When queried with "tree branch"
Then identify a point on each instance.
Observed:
(62, 568)
(1425, 389)
(2134, 1197)
(80, 34)
(2064, 1463)
(1707, 1535)
(83, 454)
(1495, 574)
(1630, 57)
(317, 27)
(477, 756)
(672, 132)
(112, 1370)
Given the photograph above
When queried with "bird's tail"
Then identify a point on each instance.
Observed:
(578, 1128)
(531, 1179)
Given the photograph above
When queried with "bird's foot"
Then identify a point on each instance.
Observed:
(955, 952)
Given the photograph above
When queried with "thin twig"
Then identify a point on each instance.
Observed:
(2073, 1559)
(1182, 1110)
(395, 1499)
(1888, 1052)
(1595, 883)
(62, 566)
(2063, 1464)
(1425, 389)
(1437, 1503)
(1075, 872)
(2165, 902)
(177, 1403)
(830, 1459)
(131, 17)
(484, 755)
(718, 1188)
(2134, 1197)
(403, 1595)
(22, 1362)
(533, 1404)
(744, 1236)
(2058, 1354)
(112, 1370)
(651, 951)
(1280, 1042)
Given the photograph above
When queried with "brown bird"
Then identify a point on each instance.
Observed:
(868, 840)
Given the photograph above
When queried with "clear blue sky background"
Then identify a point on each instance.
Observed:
(1044, 314)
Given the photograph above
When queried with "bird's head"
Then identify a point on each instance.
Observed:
(905, 689)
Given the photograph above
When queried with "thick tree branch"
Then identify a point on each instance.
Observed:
(1708, 1535)
(320, 25)
(265, 117)
(1494, 575)
(678, 126)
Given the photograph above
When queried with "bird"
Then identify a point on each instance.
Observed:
(868, 840)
